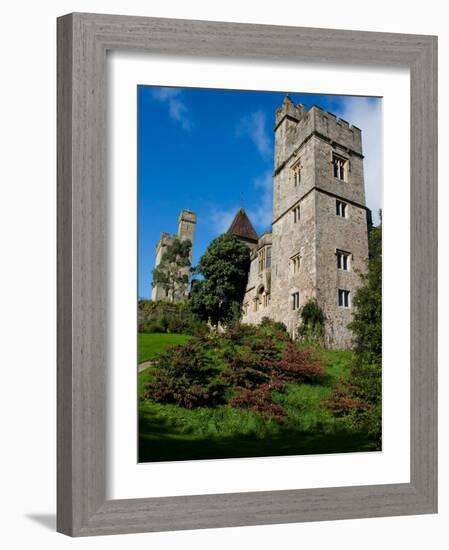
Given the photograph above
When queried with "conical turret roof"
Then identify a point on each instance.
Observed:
(242, 227)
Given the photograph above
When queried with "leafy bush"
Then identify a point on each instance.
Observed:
(260, 400)
(153, 327)
(240, 333)
(275, 326)
(255, 364)
(266, 349)
(185, 375)
(163, 316)
(299, 366)
(247, 371)
(342, 402)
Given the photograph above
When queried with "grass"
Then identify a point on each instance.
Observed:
(168, 432)
(151, 344)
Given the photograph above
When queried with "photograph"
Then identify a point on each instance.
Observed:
(259, 273)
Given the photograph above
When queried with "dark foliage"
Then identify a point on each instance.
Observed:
(239, 333)
(186, 376)
(312, 322)
(342, 401)
(367, 323)
(218, 296)
(247, 371)
(163, 316)
(260, 400)
(299, 366)
(275, 326)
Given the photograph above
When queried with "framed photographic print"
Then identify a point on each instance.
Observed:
(246, 274)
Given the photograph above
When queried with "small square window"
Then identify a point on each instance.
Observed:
(343, 298)
(268, 258)
(339, 167)
(295, 300)
(296, 174)
(296, 214)
(341, 208)
(296, 263)
(261, 260)
(343, 260)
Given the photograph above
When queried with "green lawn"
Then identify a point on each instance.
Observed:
(168, 432)
(151, 344)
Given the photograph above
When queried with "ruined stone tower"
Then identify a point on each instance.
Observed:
(186, 230)
(319, 238)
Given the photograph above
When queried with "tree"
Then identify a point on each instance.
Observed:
(173, 271)
(367, 319)
(224, 266)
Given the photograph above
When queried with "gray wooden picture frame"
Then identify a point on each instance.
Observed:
(83, 40)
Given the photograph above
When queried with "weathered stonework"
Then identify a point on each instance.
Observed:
(186, 231)
(318, 161)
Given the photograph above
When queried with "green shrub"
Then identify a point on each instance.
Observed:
(275, 326)
(247, 370)
(311, 329)
(239, 333)
(163, 316)
(186, 376)
(152, 327)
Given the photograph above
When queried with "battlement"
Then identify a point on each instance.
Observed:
(341, 121)
(187, 216)
(295, 125)
(290, 110)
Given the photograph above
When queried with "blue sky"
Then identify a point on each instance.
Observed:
(211, 151)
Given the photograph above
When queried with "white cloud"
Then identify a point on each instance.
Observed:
(254, 126)
(260, 214)
(177, 109)
(367, 115)
(222, 219)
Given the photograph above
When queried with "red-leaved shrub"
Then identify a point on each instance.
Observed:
(298, 365)
(342, 403)
(247, 371)
(259, 400)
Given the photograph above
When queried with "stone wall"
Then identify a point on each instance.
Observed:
(347, 235)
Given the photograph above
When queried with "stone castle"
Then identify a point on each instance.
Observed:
(318, 243)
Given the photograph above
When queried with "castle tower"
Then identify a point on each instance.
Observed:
(186, 229)
(319, 239)
(186, 225)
